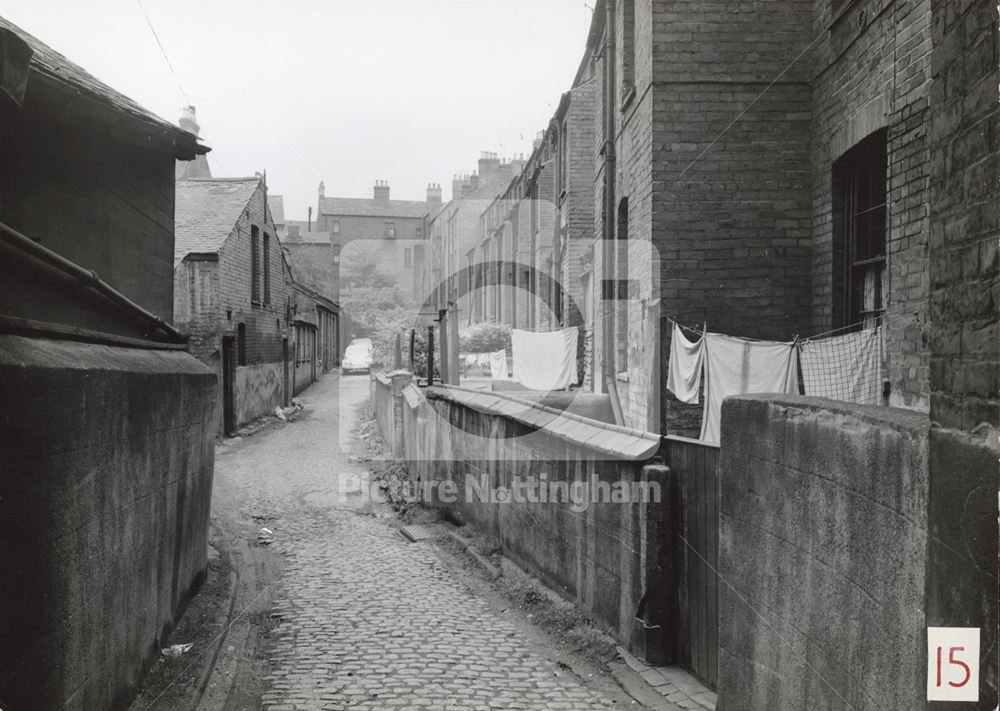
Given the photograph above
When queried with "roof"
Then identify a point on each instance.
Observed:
(55, 70)
(206, 212)
(367, 207)
(277, 205)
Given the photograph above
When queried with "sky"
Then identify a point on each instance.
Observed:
(343, 91)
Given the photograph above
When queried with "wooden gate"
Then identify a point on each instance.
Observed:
(695, 464)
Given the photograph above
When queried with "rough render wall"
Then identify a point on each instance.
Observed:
(259, 389)
(809, 486)
(107, 479)
(868, 76)
(601, 558)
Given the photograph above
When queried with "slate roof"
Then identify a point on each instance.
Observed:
(206, 212)
(367, 207)
(74, 80)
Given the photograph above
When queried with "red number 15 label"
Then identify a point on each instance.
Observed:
(953, 664)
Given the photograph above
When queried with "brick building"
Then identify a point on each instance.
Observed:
(232, 295)
(396, 225)
(769, 183)
(108, 453)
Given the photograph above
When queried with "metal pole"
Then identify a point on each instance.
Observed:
(430, 355)
(445, 363)
(413, 347)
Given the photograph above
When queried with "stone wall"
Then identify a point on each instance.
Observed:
(822, 556)
(104, 506)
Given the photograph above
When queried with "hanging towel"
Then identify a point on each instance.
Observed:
(735, 365)
(498, 364)
(684, 373)
(847, 367)
(545, 360)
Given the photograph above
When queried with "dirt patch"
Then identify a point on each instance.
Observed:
(176, 682)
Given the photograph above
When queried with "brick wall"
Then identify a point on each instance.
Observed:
(871, 72)
(577, 206)
(730, 213)
(965, 219)
(265, 322)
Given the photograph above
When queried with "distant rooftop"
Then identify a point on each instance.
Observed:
(57, 71)
(206, 212)
(369, 207)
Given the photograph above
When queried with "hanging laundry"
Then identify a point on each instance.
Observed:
(545, 360)
(498, 364)
(734, 366)
(684, 371)
(847, 367)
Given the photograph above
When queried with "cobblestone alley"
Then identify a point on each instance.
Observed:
(365, 619)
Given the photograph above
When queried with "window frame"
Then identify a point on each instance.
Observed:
(860, 232)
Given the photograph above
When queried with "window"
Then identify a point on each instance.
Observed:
(241, 344)
(859, 234)
(390, 229)
(335, 227)
(407, 258)
(336, 254)
(254, 265)
(267, 268)
(628, 50)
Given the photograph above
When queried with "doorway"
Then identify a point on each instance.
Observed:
(228, 386)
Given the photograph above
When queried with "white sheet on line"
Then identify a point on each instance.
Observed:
(684, 368)
(545, 360)
(847, 367)
(498, 364)
(734, 366)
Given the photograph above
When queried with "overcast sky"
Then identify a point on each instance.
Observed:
(344, 91)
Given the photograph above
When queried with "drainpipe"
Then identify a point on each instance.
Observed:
(608, 246)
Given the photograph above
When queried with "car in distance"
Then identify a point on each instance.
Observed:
(358, 357)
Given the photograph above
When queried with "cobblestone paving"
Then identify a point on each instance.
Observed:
(368, 620)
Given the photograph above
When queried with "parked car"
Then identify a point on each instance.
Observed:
(358, 357)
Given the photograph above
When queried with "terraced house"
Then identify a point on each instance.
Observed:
(232, 295)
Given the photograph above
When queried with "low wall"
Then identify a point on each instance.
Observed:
(105, 492)
(822, 556)
(259, 389)
(601, 554)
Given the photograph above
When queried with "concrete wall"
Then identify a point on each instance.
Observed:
(259, 389)
(105, 491)
(823, 544)
(605, 558)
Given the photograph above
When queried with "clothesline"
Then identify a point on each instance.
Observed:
(843, 329)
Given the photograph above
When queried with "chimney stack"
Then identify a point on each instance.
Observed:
(189, 121)
(381, 192)
(488, 164)
(433, 195)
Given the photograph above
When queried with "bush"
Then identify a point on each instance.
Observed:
(484, 338)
